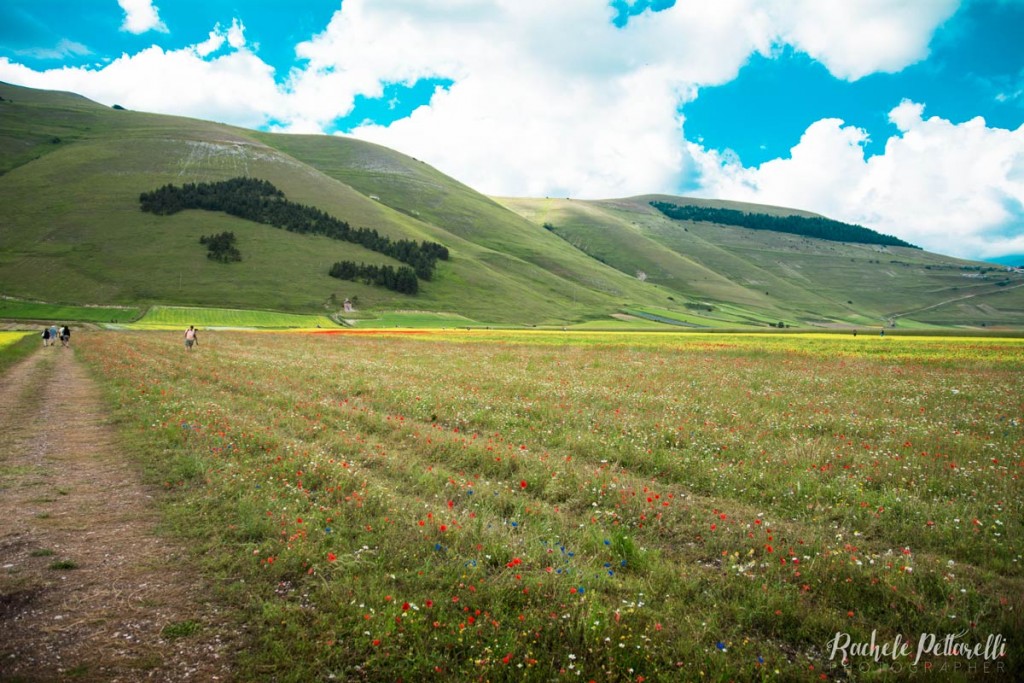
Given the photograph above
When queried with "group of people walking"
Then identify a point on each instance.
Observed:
(51, 334)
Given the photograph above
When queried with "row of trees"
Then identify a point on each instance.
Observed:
(401, 279)
(221, 247)
(817, 227)
(259, 201)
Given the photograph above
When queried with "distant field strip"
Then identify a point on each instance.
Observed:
(673, 319)
(8, 338)
(27, 310)
(947, 349)
(14, 346)
(160, 317)
(418, 319)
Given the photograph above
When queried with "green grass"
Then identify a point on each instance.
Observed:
(163, 317)
(691, 318)
(181, 629)
(504, 268)
(73, 232)
(524, 505)
(64, 564)
(14, 346)
(91, 243)
(623, 323)
(756, 278)
(416, 320)
(27, 310)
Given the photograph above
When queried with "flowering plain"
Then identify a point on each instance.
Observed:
(586, 506)
(16, 345)
(9, 338)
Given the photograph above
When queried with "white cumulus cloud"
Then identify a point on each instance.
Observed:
(953, 188)
(141, 16)
(233, 87)
(858, 38)
(212, 44)
(552, 99)
(546, 98)
(234, 36)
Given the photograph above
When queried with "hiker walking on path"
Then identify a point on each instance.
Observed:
(190, 337)
(46, 336)
(65, 336)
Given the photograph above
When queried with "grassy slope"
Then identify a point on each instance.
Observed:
(84, 238)
(775, 275)
(476, 227)
(27, 310)
(71, 172)
(94, 245)
(178, 317)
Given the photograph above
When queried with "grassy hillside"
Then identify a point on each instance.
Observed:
(480, 228)
(71, 172)
(74, 232)
(796, 279)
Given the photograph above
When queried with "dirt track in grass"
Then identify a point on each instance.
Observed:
(88, 589)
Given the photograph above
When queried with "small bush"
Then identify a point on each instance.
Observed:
(64, 564)
(180, 629)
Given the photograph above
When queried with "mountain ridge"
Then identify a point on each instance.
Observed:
(71, 172)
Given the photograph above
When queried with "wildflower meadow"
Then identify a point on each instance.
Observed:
(586, 506)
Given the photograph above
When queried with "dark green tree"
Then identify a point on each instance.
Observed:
(813, 226)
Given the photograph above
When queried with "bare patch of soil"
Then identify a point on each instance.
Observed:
(88, 590)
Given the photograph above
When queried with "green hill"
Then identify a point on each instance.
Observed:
(797, 279)
(72, 171)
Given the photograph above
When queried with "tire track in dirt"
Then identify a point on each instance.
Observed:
(88, 590)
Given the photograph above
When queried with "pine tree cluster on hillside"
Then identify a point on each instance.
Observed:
(221, 247)
(816, 227)
(402, 279)
(261, 202)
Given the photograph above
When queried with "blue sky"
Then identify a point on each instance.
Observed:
(974, 69)
(903, 115)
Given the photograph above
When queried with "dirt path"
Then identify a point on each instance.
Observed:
(88, 590)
